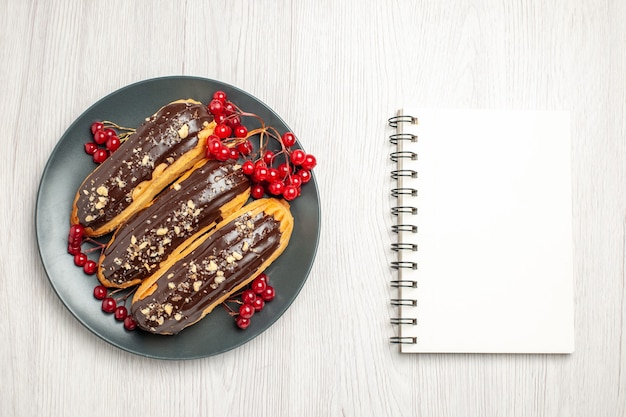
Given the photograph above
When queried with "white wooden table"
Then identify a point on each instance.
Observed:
(334, 71)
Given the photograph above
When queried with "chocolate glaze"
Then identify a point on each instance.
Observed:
(162, 138)
(151, 234)
(222, 262)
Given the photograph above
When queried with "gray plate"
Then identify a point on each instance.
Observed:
(69, 165)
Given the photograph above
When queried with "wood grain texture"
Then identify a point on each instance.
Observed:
(335, 71)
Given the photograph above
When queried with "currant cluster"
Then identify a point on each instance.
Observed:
(75, 239)
(112, 305)
(74, 248)
(106, 140)
(252, 301)
(278, 173)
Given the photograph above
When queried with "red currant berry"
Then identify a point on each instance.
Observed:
(214, 144)
(90, 148)
(268, 294)
(219, 95)
(73, 248)
(223, 154)
(268, 156)
(258, 304)
(290, 192)
(113, 143)
(305, 175)
(100, 292)
(258, 285)
(297, 157)
(257, 191)
(245, 148)
(248, 168)
(241, 131)
(120, 313)
(229, 108)
(95, 127)
(246, 311)
(309, 162)
(100, 156)
(76, 232)
(108, 305)
(233, 121)
(276, 188)
(109, 132)
(129, 323)
(260, 163)
(295, 180)
(90, 267)
(272, 175)
(248, 297)
(216, 107)
(223, 131)
(242, 322)
(80, 259)
(219, 118)
(263, 277)
(234, 153)
(100, 137)
(260, 174)
(284, 170)
(289, 139)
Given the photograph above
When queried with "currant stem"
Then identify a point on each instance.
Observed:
(229, 310)
(108, 123)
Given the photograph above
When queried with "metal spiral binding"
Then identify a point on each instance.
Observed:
(404, 228)
(400, 320)
(393, 121)
(403, 209)
(403, 340)
(403, 154)
(402, 136)
(398, 156)
(404, 264)
(395, 174)
(407, 302)
(404, 246)
(403, 283)
(395, 192)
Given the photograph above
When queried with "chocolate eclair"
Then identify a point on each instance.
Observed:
(195, 203)
(159, 151)
(205, 272)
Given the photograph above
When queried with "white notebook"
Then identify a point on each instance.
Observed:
(483, 222)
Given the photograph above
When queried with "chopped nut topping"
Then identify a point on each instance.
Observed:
(183, 132)
(161, 231)
(177, 186)
(197, 285)
(168, 308)
(212, 266)
(219, 279)
(102, 190)
(177, 316)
